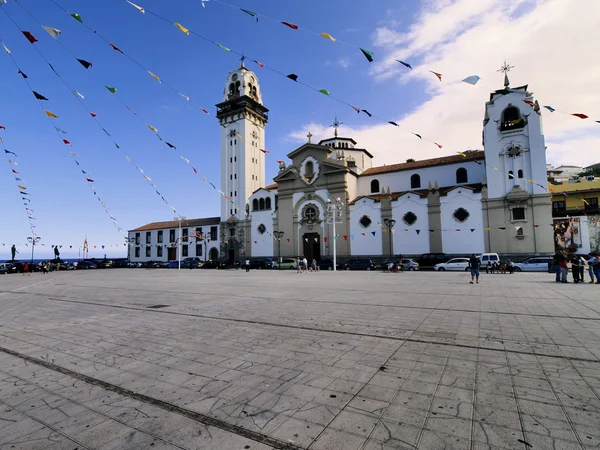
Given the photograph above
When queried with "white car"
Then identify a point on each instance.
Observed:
(460, 264)
(535, 264)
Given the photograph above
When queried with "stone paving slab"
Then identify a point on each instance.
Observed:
(113, 359)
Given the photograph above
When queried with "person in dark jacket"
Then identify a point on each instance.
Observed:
(474, 264)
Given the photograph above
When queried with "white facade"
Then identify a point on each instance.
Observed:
(262, 212)
(445, 176)
(462, 237)
(162, 242)
(410, 238)
(366, 238)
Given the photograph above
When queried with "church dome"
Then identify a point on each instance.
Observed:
(242, 82)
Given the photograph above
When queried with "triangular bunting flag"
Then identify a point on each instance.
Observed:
(291, 25)
(85, 63)
(328, 36)
(52, 31)
(405, 64)
(368, 54)
(139, 8)
(439, 75)
(182, 28)
(250, 13)
(39, 96)
(77, 17)
(30, 37)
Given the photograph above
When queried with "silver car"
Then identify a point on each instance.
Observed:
(457, 264)
(534, 264)
(409, 264)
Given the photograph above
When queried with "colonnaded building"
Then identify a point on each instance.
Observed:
(495, 200)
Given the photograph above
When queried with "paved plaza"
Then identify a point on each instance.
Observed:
(228, 360)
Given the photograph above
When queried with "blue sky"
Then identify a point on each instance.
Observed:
(65, 208)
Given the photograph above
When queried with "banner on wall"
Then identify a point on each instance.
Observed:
(567, 234)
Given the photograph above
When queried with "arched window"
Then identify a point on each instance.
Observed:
(261, 204)
(511, 175)
(254, 204)
(461, 176)
(268, 203)
(511, 113)
(415, 181)
(231, 89)
(511, 119)
(309, 170)
(375, 187)
(520, 173)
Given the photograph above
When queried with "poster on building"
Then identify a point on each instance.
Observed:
(594, 227)
(567, 234)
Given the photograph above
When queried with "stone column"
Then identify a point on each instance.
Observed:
(434, 211)
(386, 213)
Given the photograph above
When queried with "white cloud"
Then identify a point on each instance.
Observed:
(344, 63)
(552, 43)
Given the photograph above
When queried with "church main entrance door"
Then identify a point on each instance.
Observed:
(312, 246)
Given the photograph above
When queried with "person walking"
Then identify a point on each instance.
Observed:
(556, 264)
(575, 268)
(26, 269)
(247, 265)
(582, 263)
(590, 268)
(564, 269)
(474, 264)
(305, 264)
(594, 262)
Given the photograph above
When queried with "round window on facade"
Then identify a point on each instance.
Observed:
(234, 77)
(461, 215)
(409, 218)
(261, 228)
(365, 221)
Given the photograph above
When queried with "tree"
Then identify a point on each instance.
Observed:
(590, 173)
(410, 160)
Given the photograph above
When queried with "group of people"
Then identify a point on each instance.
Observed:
(500, 267)
(577, 264)
(43, 267)
(302, 265)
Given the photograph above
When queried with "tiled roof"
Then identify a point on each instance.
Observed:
(184, 223)
(469, 156)
(271, 186)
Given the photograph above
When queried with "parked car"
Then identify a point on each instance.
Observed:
(85, 265)
(194, 262)
(488, 258)
(7, 268)
(359, 264)
(261, 264)
(212, 265)
(286, 264)
(429, 260)
(230, 265)
(459, 264)
(534, 264)
(408, 264)
(325, 264)
(152, 264)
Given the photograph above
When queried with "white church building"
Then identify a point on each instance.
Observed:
(495, 200)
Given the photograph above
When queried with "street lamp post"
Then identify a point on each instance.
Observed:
(33, 241)
(278, 235)
(389, 223)
(206, 240)
(334, 214)
(130, 240)
(179, 241)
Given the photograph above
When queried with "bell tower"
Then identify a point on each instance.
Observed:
(517, 206)
(243, 118)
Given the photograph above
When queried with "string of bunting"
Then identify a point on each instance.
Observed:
(114, 90)
(68, 145)
(291, 76)
(369, 55)
(94, 116)
(11, 158)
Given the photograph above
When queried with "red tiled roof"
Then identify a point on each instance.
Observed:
(469, 156)
(271, 186)
(184, 223)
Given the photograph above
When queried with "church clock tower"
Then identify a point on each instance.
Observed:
(243, 118)
(517, 209)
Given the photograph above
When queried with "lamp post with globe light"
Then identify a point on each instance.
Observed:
(278, 235)
(33, 240)
(333, 215)
(389, 223)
